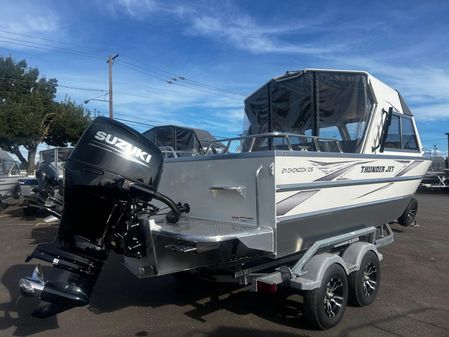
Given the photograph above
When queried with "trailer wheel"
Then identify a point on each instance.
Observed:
(29, 211)
(364, 283)
(324, 307)
(409, 214)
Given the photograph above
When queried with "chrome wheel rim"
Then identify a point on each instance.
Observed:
(333, 297)
(411, 214)
(369, 279)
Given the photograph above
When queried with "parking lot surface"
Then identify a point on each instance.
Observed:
(413, 298)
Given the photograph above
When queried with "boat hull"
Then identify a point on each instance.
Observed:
(8, 185)
(302, 196)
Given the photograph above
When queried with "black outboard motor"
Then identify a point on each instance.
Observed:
(47, 175)
(110, 179)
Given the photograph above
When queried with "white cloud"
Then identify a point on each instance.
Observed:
(432, 112)
(30, 19)
(141, 9)
(243, 33)
(227, 24)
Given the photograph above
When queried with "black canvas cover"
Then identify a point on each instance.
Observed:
(180, 138)
(311, 102)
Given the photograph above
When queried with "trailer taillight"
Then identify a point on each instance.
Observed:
(266, 288)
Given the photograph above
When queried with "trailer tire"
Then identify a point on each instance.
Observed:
(324, 307)
(364, 284)
(29, 211)
(409, 215)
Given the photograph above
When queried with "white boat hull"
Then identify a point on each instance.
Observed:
(301, 196)
(8, 185)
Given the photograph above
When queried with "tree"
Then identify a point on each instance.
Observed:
(29, 114)
(67, 124)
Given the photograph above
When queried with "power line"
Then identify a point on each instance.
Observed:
(179, 80)
(34, 37)
(47, 47)
(158, 72)
(175, 78)
(121, 93)
(10, 79)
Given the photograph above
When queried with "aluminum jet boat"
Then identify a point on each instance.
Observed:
(303, 199)
(9, 176)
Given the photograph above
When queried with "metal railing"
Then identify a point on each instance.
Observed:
(249, 143)
(170, 152)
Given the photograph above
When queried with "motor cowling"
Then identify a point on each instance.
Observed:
(107, 155)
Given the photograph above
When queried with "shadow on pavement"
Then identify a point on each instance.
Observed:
(239, 332)
(17, 312)
(16, 211)
(205, 297)
(43, 234)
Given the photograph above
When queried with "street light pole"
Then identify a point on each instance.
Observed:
(111, 61)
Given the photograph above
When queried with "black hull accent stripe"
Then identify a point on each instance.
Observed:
(340, 183)
(296, 217)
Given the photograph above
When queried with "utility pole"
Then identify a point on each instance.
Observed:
(447, 159)
(111, 61)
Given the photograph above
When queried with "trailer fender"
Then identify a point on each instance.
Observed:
(354, 254)
(314, 271)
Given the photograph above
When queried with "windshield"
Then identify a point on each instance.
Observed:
(8, 167)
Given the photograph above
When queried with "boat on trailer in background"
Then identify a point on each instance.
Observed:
(44, 191)
(328, 159)
(180, 141)
(9, 178)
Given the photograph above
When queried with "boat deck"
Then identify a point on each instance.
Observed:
(202, 230)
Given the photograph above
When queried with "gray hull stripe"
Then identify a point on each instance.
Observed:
(292, 218)
(409, 167)
(339, 183)
(376, 190)
(340, 171)
(286, 205)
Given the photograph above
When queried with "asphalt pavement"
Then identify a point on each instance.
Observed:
(413, 299)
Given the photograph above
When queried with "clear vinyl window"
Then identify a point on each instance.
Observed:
(401, 134)
(409, 141)
(393, 140)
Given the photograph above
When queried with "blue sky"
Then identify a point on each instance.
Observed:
(234, 46)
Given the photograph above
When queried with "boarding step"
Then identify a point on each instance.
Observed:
(201, 230)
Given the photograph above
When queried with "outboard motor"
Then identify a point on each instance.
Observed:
(110, 179)
(47, 175)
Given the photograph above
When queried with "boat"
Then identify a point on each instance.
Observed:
(9, 176)
(44, 189)
(437, 177)
(181, 141)
(302, 199)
